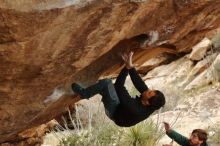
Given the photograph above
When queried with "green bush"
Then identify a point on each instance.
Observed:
(143, 134)
(102, 134)
(107, 134)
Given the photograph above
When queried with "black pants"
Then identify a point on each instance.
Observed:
(104, 87)
(112, 94)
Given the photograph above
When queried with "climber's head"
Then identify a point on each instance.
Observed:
(153, 98)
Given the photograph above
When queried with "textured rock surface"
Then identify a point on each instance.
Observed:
(32, 136)
(216, 66)
(200, 49)
(47, 44)
(200, 67)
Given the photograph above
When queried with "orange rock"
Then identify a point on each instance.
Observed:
(47, 44)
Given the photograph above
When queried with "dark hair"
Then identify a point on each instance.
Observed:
(158, 100)
(202, 134)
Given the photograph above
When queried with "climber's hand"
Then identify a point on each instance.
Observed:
(128, 59)
(166, 126)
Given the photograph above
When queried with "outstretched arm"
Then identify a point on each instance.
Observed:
(120, 81)
(180, 139)
(136, 79)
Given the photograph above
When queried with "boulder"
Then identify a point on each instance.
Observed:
(216, 67)
(50, 44)
(200, 49)
(200, 67)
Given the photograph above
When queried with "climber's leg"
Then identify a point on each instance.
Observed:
(103, 87)
(88, 92)
(110, 99)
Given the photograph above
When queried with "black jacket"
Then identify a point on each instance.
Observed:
(130, 110)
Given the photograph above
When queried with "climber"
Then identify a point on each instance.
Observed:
(119, 106)
(198, 137)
